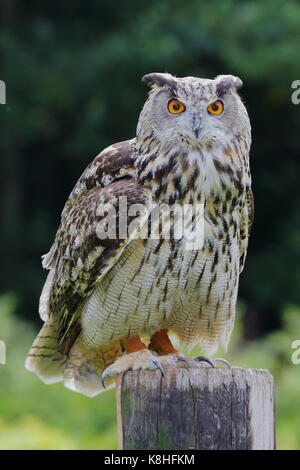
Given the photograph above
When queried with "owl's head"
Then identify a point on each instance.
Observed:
(193, 111)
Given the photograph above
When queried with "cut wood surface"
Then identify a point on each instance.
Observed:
(196, 408)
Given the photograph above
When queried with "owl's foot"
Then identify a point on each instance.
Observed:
(143, 360)
(138, 360)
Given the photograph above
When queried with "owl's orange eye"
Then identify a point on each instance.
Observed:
(175, 106)
(216, 108)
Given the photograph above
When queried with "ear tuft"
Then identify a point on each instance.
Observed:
(160, 79)
(226, 83)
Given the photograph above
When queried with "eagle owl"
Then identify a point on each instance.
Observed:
(120, 303)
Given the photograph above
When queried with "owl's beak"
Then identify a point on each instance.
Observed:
(196, 125)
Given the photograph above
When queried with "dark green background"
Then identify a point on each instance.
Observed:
(72, 71)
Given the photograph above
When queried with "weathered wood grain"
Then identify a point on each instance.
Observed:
(196, 408)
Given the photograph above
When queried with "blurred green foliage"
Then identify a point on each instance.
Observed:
(35, 416)
(38, 416)
(72, 71)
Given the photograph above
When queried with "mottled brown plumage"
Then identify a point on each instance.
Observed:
(101, 295)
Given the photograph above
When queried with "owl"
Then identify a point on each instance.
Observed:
(127, 301)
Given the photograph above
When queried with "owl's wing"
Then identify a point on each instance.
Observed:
(245, 228)
(79, 257)
(111, 164)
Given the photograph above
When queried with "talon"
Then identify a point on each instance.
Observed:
(105, 373)
(219, 359)
(204, 359)
(159, 366)
(183, 359)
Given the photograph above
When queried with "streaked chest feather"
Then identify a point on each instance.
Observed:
(158, 283)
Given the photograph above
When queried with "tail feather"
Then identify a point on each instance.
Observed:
(44, 357)
(84, 367)
(80, 369)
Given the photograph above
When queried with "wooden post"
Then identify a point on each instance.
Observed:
(196, 408)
